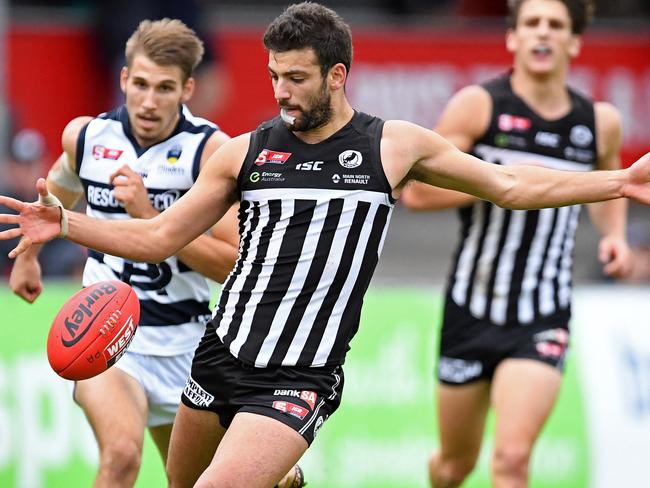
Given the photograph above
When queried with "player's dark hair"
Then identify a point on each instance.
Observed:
(580, 11)
(167, 42)
(311, 25)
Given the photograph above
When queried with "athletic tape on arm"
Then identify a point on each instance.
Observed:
(51, 201)
(64, 176)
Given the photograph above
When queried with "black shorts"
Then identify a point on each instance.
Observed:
(471, 348)
(302, 398)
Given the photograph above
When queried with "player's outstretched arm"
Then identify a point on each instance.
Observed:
(139, 240)
(464, 120)
(411, 152)
(62, 182)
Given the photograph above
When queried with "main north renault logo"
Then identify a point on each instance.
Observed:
(350, 159)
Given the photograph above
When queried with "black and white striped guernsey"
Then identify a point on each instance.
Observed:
(174, 299)
(313, 218)
(514, 266)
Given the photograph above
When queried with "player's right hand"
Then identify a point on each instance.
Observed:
(37, 223)
(25, 279)
(131, 192)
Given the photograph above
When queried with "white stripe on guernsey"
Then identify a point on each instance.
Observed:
(237, 286)
(297, 282)
(242, 243)
(326, 279)
(525, 309)
(334, 322)
(385, 232)
(503, 279)
(546, 288)
(316, 193)
(466, 258)
(268, 265)
(511, 157)
(478, 300)
(564, 279)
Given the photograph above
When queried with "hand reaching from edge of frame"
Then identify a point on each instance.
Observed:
(38, 222)
(637, 187)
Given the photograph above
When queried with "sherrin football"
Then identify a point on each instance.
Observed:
(93, 329)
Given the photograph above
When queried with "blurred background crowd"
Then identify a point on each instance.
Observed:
(61, 58)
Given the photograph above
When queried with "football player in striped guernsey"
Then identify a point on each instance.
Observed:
(505, 330)
(316, 187)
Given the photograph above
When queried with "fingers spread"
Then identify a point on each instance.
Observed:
(12, 203)
(10, 234)
(22, 246)
(9, 219)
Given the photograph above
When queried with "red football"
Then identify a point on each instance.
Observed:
(93, 329)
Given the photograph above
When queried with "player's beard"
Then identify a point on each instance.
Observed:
(319, 113)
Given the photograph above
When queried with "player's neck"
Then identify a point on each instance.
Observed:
(342, 113)
(546, 95)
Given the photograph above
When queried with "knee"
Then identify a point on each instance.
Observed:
(449, 471)
(511, 460)
(121, 458)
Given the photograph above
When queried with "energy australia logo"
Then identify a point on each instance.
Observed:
(350, 159)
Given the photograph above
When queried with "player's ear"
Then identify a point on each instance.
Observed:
(511, 41)
(575, 46)
(124, 75)
(337, 76)
(188, 90)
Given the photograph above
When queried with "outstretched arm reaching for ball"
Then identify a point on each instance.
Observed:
(149, 240)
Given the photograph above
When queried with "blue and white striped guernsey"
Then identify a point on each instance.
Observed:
(174, 299)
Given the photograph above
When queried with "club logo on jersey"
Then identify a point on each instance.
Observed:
(101, 152)
(350, 159)
(509, 123)
(272, 157)
(581, 135)
(174, 154)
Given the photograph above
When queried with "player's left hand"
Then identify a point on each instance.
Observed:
(616, 256)
(638, 186)
(131, 192)
(37, 222)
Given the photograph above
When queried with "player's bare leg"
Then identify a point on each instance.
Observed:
(461, 419)
(523, 394)
(116, 408)
(256, 452)
(194, 440)
(161, 434)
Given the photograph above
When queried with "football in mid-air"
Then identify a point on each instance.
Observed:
(93, 329)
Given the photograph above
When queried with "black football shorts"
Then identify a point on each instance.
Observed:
(472, 348)
(301, 397)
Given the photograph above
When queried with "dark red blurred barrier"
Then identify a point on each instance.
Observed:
(54, 75)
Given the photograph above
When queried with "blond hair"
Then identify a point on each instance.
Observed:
(167, 42)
